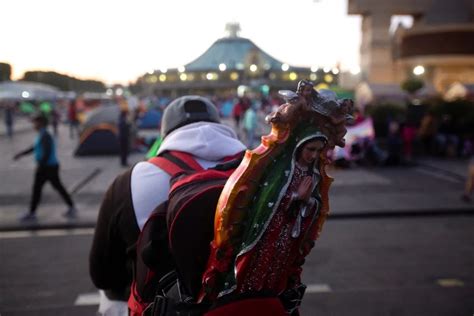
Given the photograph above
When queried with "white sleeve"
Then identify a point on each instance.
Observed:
(149, 186)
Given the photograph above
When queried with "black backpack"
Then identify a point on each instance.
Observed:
(174, 244)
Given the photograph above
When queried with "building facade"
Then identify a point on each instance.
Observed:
(231, 64)
(438, 48)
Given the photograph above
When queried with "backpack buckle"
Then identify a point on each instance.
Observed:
(159, 307)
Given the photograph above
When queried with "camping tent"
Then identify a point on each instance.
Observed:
(24, 90)
(99, 134)
(151, 119)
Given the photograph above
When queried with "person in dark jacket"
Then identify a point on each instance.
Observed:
(123, 136)
(44, 150)
(9, 109)
(191, 124)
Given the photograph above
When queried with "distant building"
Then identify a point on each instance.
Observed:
(439, 47)
(231, 63)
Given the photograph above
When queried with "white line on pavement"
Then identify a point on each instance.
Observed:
(318, 288)
(88, 299)
(437, 175)
(46, 233)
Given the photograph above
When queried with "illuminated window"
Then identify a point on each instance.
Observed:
(293, 76)
(211, 76)
(313, 77)
(253, 68)
(183, 77)
(234, 76)
(328, 78)
(285, 67)
(222, 67)
(162, 78)
(322, 86)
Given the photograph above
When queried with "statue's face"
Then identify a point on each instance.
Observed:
(310, 152)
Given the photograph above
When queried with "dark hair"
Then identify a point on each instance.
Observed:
(41, 119)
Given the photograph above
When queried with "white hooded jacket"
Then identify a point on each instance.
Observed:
(208, 142)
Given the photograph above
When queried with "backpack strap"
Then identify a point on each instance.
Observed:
(174, 162)
(186, 158)
(238, 156)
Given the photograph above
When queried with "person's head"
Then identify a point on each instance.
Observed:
(186, 110)
(309, 151)
(39, 121)
(123, 113)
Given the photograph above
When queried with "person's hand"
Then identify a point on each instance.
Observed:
(304, 190)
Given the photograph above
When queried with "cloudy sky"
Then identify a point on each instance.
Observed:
(117, 41)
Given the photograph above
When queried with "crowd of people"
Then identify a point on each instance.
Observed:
(146, 186)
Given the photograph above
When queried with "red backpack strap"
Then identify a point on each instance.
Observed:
(174, 162)
(166, 165)
(187, 159)
(238, 155)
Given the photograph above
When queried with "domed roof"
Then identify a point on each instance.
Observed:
(236, 53)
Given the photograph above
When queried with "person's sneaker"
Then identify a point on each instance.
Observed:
(71, 212)
(28, 217)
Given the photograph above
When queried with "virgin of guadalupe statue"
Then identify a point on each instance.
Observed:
(273, 207)
(272, 262)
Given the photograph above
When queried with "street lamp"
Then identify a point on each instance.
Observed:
(418, 70)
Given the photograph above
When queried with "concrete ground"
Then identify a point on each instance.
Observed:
(433, 185)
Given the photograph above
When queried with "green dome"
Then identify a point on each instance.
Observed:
(236, 53)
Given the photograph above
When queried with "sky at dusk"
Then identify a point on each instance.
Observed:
(118, 41)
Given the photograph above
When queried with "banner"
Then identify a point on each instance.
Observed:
(355, 134)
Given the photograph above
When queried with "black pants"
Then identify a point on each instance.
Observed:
(51, 174)
(124, 146)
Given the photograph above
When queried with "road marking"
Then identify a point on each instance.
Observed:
(87, 299)
(357, 177)
(318, 288)
(450, 282)
(79, 185)
(47, 233)
(438, 175)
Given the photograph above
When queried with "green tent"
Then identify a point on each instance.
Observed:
(45, 107)
(27, 108)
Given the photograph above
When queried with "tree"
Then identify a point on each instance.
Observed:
(63, 82)
(412, 85)
(5, 72)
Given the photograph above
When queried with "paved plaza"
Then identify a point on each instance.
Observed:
(434, 185)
